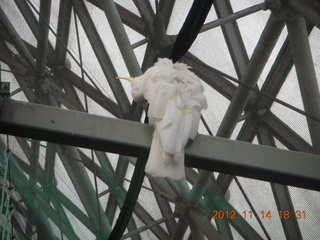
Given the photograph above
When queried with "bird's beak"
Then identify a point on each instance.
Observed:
(126, 78)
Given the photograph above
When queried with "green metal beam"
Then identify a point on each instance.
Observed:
(111, 135)
(120, 195)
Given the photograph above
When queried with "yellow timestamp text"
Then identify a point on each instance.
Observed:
(263, 214)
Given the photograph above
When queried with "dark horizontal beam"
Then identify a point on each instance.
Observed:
(132, 138)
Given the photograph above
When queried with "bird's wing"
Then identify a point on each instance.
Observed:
(158, 98)
(169, 128)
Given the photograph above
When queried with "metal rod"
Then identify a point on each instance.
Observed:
(22, 49)
(121, 37)
(285, 134)
(252, 208)
(62, 35)
(146, 227)
(44, 20)
(101, 54)
(232, 37)
(233, 17)
(281, 195)
(140, 43)
(300, 47)
(251, 75)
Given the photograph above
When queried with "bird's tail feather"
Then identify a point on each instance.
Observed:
(159, 165)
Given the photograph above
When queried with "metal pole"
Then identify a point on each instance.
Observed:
(309, 88)
(121, 37)
(251, 75)
(19, 44)
(44, 22)
(233, 17)
(101, 54)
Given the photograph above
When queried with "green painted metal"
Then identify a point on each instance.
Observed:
(36, 202)
(132, 138)
(6, 192)
(130, 201)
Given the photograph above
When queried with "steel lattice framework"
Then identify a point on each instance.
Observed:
(44, 76)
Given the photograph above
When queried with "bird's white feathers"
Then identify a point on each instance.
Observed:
(175, 97)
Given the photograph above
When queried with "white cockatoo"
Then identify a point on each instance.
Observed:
(175, 97)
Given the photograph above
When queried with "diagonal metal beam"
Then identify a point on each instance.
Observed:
(46, 177)
(210, 76)
(272, 85)
(285, 134)
(50, 187)
(165, 10)
(84, 188)
(28, 16)
(251, 75)
(233, 16)
(121, 170)
(25, 190)
(278, 73)
(232, 36)
(8, 58)
(239, 101)
(34, 161)
(214, 199)
(165, 209)
(125, 47)
(31, 20)
(90, 91)
(42, 45)
(120, 193)
(128, 18)
(19, 44)
(210, 153)
(61, 73)
(204, 225)
(61, 198)
(102, 55)
(300, 47)
(146, 12)
(281, 195)
(31, 99)
(79, 177)
(68, 204)
(195, 232)
(64, 20)
(121, 37)
(113, 180)
(36, 201)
